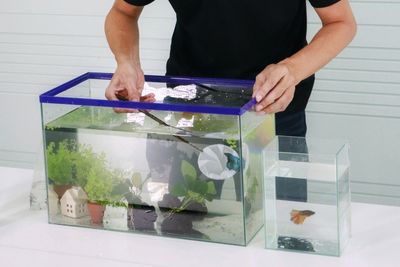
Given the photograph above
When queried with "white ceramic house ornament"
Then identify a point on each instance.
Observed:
(52, 201)
(74, 203)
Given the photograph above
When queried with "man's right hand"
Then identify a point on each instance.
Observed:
(122, 32)
(127, 84)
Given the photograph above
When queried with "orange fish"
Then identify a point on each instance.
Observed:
(298, 216)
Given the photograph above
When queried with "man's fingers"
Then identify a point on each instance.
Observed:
(110, 93)
(123, 95)
(127, 85)
(275, 93)
(133, 92)
(125, 110)
(148, 98)
(280, 104)
(272, 77)
(260, 79)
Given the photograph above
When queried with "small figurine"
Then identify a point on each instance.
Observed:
(298, 216)
(74, 203)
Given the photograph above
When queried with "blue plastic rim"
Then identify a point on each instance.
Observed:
(51, 97)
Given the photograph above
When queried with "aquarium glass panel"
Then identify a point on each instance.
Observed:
(257, 132)
(172, 168)
(307, 199)
(344, 196)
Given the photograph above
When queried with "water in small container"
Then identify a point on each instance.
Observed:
(307, 198)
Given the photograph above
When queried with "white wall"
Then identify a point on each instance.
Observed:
(45, 42)
(357, 97)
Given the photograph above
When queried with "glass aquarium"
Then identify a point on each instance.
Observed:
(307, 195)
(189, 165)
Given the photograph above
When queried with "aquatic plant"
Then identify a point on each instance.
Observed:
(141, 216)
(192, 189)
(128, 188)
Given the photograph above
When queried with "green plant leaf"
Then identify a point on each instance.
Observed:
(188, 171)
(211, 188)
(179, 190)
(190, 181)
(200, 187)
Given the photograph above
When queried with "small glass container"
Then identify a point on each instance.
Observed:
(307, 195)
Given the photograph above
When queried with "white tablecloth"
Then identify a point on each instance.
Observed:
(26, 239)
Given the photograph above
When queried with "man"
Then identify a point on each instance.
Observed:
(263, 40)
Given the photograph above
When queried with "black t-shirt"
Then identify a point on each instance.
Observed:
(238, 38)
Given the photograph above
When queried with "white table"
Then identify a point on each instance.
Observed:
(26, 239)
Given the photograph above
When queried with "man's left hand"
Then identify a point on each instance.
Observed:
(274, 88)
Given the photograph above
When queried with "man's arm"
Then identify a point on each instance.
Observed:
(122, 31)
(275, 85)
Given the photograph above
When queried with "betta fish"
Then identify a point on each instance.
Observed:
(233, 162)
(298, 216)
